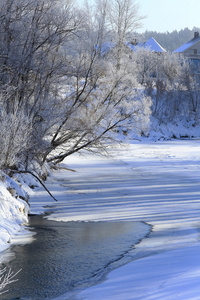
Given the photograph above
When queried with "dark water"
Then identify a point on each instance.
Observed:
(66, 255)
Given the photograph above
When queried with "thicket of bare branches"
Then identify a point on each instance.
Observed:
(171, 81)
(57, 91)
(61, 94)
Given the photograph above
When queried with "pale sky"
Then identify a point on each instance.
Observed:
(168, 15)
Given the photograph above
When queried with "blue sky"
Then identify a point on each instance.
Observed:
(169, 15)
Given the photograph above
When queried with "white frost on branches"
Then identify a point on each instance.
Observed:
(15, 136)
(6, 277)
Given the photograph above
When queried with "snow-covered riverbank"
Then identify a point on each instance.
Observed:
(13, 212)
(153, 182)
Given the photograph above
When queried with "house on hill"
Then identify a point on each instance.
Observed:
(191, 49)
(151, 45)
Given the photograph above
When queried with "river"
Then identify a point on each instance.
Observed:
(67, 255)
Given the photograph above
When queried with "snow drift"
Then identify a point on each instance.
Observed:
(13, 209)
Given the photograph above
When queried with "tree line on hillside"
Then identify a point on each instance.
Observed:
(169, 40)
(60, 95)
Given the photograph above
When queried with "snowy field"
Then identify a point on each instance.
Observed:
(158, 183)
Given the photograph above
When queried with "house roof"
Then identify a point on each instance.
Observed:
(151, 44)
(106, 47)
(188, 45)
(154, 46)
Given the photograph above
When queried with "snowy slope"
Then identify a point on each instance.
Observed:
(13, 210)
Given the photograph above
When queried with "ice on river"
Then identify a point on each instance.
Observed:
(158, 183)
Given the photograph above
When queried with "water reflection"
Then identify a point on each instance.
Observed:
(67, 254)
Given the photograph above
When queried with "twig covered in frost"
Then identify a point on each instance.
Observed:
(6, 278)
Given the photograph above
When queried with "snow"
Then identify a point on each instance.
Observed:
(13, 213)
(169, 275)
(151, 45)
(154, 182)
(187, 45)
(178, 128)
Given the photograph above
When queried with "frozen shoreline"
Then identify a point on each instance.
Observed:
(13, 213)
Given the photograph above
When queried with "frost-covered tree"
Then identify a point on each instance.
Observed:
(145, 64)
(101, 17)
(101, 99)
(99, 112)
(59, 95)
(162, 77)
(168, 78)
(191, 82)
(32, 33)
(31, 65)
(124, 18)
(15, 137)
